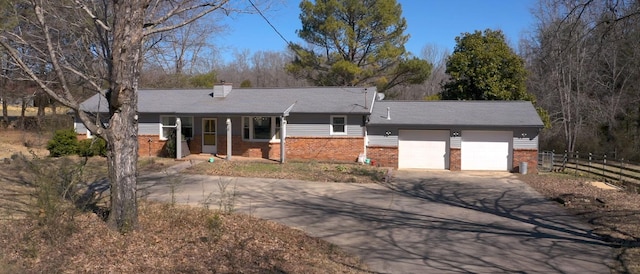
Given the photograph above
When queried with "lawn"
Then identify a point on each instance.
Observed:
(297, 170)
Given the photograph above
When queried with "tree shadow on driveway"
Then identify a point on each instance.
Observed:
(443, 224)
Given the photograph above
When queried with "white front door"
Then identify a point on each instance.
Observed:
(209, 144)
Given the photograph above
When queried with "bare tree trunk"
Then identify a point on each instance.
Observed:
(5, 113)
(23, 110)
(122, 136)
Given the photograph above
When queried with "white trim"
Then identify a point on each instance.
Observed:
(272, 130)
(213, 148)
(331, 132)
(182, 118)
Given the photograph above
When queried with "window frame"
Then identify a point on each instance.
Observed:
(248, 129)
(182, 118)
(332, 124)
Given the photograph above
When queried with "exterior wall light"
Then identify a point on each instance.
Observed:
(456, 134)
(387, 133)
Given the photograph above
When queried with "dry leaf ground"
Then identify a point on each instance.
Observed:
(615, 215)
(170, 238)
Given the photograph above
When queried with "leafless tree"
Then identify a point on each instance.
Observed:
(584, 69)
(98, 44)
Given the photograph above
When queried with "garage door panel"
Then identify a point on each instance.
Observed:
(425, 149)
(486, 150)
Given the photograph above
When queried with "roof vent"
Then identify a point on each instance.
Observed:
(379, 96)
(388, 113)
(222, 90)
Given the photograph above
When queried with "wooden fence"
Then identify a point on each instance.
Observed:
(617, 170)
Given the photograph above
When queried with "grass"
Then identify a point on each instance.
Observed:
(170, 238)
(297, 170)
(16, 111)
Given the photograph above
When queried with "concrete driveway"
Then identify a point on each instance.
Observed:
(421, 222)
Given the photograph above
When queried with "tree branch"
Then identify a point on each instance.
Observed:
(180, 10)
(93, 16)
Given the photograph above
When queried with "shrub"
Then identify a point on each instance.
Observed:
(170, 145)
(64, 142)
(92, 147)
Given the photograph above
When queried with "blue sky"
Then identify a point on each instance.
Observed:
(435, 22)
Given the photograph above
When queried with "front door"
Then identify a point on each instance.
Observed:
(209, 144)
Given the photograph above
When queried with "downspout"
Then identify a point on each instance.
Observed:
(283, 136)
(178, 138)
(229, 141)
(283, 132)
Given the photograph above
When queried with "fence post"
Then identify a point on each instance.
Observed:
(590, 157)
(604, 164)
(553, 155)
(576, 160)
(620, 174)
(564, 161)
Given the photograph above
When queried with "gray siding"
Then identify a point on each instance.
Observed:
(319, 125)
(381, 140)
(376, 136)
(525, 143)
(80, 128)
(455, 142)
(149, 128)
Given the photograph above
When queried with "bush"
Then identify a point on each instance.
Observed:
(170, 145)
(92, 147)
(64, 143)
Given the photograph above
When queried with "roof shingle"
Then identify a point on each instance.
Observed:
(456, 113)
(337, 100)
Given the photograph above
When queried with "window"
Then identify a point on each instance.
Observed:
(338, 125)
(260, 128)
(168, 123)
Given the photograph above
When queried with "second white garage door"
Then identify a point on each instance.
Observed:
(485, 150)
(426, 149)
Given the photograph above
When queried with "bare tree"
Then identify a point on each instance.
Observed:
(583, 63)
(98, 44)
(179, 51)
(438, 57)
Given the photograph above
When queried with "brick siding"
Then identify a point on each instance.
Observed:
(343, 149)
(455, 161)
(386, 156)
(153, 148)
(530, 156)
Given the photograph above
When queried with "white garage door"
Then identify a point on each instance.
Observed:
(485, 150)
(427, 149)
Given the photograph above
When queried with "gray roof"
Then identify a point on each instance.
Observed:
(274, 101)
(456, 113)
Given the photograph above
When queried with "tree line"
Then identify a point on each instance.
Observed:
(579, 65)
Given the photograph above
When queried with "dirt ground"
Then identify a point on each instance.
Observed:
(614, 214)
(43, 233)
(16, 141)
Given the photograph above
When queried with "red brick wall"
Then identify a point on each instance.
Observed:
(530, 156)
(455, 161)
(195, 145)
(274, 150)
(345, 149)
(383, 155)
(243, 148)
(155, 146)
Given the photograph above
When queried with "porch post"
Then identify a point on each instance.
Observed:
(229, 141)
(283, 136)
(178, 138)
